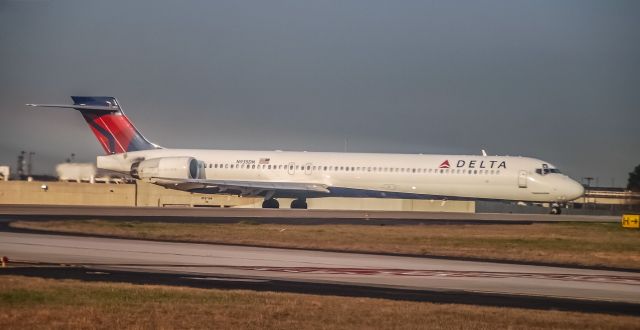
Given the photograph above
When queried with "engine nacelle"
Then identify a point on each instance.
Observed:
(166, 167)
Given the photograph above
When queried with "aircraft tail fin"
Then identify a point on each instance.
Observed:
(109, 124)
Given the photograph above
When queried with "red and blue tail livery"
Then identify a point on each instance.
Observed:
(109, 124)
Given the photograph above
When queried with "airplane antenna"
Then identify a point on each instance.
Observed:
(484, 153)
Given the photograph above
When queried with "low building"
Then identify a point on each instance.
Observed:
(616, 200)
(5, 172)
(87, 172)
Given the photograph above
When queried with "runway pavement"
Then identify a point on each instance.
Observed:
(612, 291)
(286, 216)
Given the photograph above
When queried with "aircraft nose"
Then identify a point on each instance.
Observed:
(574, 190)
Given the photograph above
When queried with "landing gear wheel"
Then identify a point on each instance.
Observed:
(555, 210)
(299, 204)
(270, 203)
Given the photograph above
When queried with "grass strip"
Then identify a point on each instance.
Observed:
(33, 303)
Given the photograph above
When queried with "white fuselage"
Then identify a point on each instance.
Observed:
(379, 175)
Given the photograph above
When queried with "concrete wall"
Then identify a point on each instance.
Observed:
(109, 194)
(382, 204)
(391, 204)
(66, 193)
(146, 194)
(154, 195)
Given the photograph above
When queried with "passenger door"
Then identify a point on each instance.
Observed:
(522, 179)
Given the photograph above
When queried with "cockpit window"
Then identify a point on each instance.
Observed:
(546, 170)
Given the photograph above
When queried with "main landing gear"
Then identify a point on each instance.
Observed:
(555, 208)
(299, 203)
(270, 203)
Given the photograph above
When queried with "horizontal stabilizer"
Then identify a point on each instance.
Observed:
(113, 108)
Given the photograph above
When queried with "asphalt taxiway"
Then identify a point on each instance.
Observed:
(284, 216)
(277, 269)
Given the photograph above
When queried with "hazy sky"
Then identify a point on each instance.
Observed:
(557, 79)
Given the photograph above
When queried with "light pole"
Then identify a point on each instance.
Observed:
(30, 163)
(20, 169)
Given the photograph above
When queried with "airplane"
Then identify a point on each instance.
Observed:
(302, 175)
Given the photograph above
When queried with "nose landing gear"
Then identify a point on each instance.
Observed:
(555, 208)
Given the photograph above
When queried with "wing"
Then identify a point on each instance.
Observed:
(244, 187)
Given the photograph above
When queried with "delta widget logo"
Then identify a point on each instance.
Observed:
(497, 164)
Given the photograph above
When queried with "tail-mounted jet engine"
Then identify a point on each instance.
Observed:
(166, 167)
